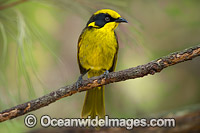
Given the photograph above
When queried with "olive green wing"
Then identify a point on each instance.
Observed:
(82, 69)
(115, 56)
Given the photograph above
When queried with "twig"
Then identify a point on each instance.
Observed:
(131, 73)
(12, 4)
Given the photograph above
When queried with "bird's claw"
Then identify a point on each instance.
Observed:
(79, 82)
(105, 74)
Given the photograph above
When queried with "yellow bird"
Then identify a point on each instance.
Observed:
(97, 54)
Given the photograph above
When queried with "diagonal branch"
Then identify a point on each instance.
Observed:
(131, 73)
(12, 4)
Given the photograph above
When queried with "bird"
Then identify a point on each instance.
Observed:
(97, 55)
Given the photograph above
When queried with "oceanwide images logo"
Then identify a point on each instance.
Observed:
(129, 123)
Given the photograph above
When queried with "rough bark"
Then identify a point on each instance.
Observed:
(131, 73)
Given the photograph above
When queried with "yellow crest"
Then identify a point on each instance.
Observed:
(112, 13)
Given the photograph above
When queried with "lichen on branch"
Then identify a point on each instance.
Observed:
(131, 73)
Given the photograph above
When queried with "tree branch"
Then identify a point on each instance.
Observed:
(131, 73)
(12, 4)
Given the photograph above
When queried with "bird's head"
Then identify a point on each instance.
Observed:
(106, 19)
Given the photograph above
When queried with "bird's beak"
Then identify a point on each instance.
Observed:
(120, 20)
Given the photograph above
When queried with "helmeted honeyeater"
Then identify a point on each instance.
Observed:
(97, 54)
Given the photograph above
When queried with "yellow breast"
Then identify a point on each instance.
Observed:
(97, 49)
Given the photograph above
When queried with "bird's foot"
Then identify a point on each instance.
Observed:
(79, 82)
(105, 74)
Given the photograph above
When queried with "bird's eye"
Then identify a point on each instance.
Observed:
(107, 19)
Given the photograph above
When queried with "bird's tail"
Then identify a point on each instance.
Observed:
(94, 100)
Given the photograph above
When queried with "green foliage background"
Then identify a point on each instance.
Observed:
(38, 41)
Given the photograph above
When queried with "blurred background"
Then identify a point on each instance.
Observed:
(38, 48)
